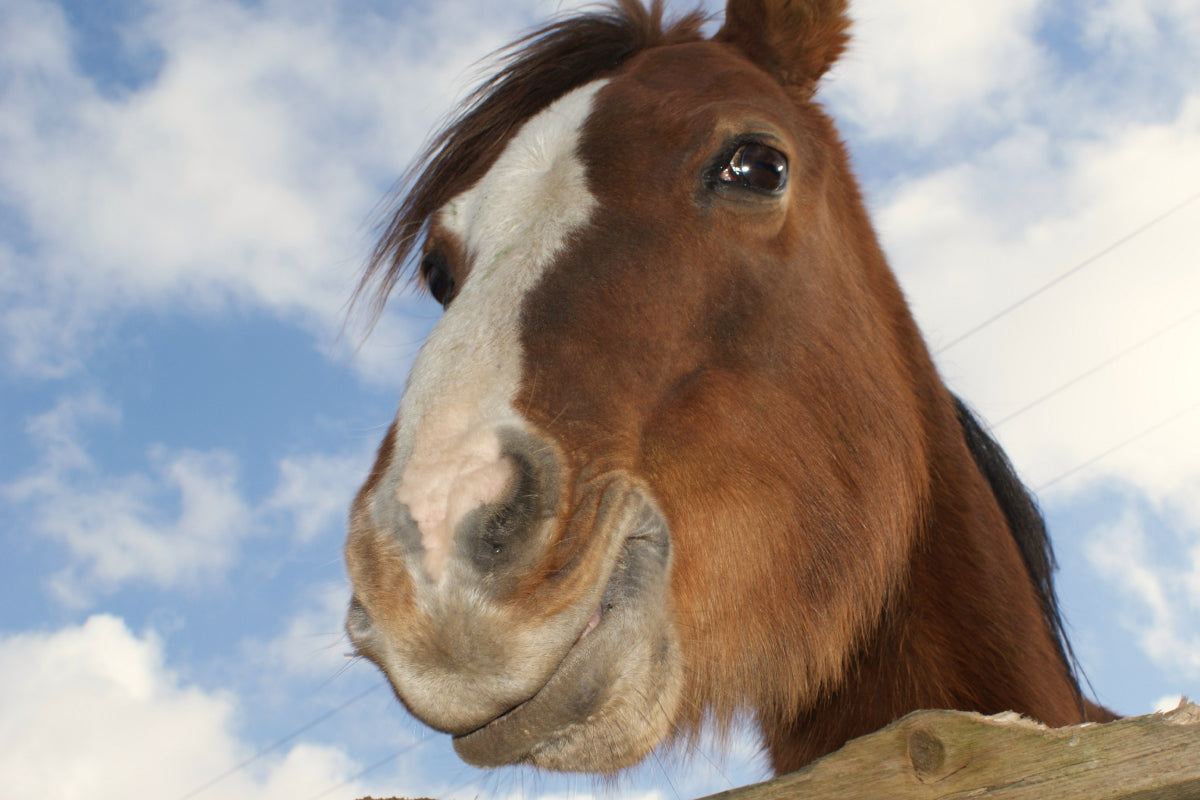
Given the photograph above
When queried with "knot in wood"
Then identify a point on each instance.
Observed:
(927, 754)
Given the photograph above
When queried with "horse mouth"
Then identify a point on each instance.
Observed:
(550, 692)
(547, 729)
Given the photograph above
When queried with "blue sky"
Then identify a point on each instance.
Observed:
(187, 190)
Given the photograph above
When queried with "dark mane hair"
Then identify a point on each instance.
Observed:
(534, 72)
(1024, 521)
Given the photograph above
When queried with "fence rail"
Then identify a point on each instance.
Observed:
(940, 755)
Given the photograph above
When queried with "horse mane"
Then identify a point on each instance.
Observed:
(533, 72)
(1026, 524)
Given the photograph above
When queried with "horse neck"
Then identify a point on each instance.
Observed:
(964, 630)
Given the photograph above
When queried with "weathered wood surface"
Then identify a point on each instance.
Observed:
(948, 755)
(939, 755)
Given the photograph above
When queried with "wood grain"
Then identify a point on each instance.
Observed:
(939, 755)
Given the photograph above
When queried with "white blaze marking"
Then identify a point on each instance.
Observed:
(512, 222)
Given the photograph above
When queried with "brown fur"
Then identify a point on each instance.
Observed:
(839, 557)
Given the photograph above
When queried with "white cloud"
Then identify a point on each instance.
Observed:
(178, 524)
(242, 174)
(1165, 605)
(201, 188)
(312, 643)
(314, 491)
(972, 239)
(1067, 169)
(116, 530)
(56, 433)
(920, 70)
(93, 711)
(115, 527)
(1138, 24)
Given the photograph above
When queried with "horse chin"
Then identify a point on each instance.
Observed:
(614, 695)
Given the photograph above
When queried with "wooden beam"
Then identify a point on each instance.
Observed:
(939, 755)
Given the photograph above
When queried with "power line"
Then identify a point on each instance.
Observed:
(1102, 365)
(281, 742)
(370, 768)
(1119, 446)
(1063, 276)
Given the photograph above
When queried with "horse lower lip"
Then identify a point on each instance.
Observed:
(592, 622)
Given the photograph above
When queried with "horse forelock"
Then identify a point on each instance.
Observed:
(533, 72)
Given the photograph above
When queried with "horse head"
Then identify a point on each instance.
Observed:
(675, 448)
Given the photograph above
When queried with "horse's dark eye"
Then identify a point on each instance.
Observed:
(436, 274)
(756, 166)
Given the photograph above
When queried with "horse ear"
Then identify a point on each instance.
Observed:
(796, 41)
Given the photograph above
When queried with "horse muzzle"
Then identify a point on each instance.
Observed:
(540, 629)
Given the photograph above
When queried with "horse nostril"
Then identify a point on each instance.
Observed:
(503, 536)
(499, 529)
(511, 515)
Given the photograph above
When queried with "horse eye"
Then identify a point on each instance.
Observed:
(436, 274)
(756, 166)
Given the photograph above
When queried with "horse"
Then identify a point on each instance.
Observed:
(675, 453)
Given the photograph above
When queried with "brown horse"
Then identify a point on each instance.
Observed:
(676, 449)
